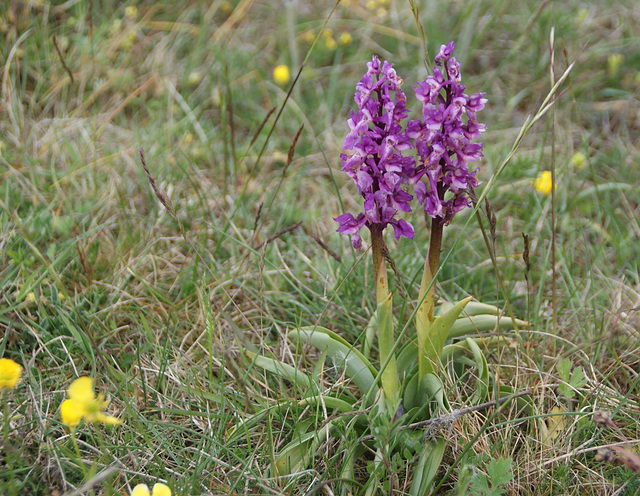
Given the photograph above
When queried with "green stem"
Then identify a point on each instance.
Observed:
(7, 447)
(424, 315)
(379, 265)
(386, 340)
(435, 245)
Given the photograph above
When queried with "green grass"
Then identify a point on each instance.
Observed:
(97, 278)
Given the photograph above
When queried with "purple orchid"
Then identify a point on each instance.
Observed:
(443, 139)
(375, 162)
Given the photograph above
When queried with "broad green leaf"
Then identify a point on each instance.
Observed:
(482, 323)
(472, 308)
(357, 367)
(411, 399)
(419, 393)
(390, 384)
(432, 389)
(406, 360)
(340, 339)
(482, 383)
(455, 350)
(295, 456)
(427, 467)
(281, 369)
(370, 335)
(436, 336)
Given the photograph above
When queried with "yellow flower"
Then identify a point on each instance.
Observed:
(131, 12)
(579, 160)
(10, 373)
(70, 414)
(194, 78)
(226, 7)
(330, 43)
(345, 39)
(543, 183)
(83, 403)
(281, 75)
(159, 489)
(614, 61)
(308, 36)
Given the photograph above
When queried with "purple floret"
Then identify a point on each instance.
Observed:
(373, 155)
(443, 139)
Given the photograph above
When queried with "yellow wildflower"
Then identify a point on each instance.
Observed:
(10, 373)
(579, 160)
(159, 489)
(345, 38)
(131, 12)
(194, 78)
(281, 74)
(543, 183)
(187, 138)
(330, 43)
(226, 7)
(308, 36)
(614, 61)
(127, 40)
(83, 403)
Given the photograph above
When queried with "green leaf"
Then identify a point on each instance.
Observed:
(370, 334)
(340, 339)
(569, 381)
(466, 325)
(427, 467)
(298, 453)
(357, 367)
(432, 388)
(281, 369)
(406, 360)
(472, 308)
(455, 350)
(419, 393)
(389, 379)
(500, 471)
(437, 334)
(578, 378)
(564, 369)
(482, 383)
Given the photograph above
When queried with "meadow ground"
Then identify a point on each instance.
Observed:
(98, 278)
